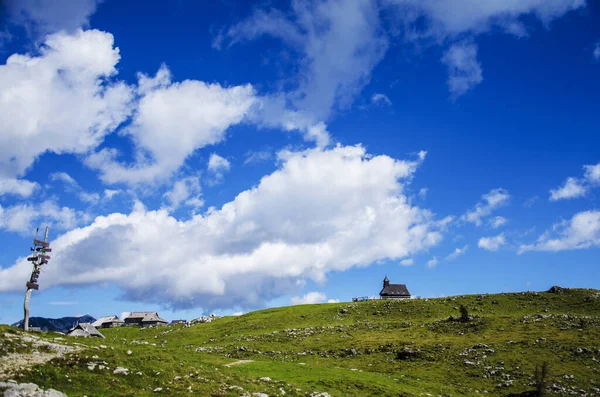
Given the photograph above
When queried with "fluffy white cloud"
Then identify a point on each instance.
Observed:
(18, 187)
(321, 211)
(23, 218)
(597, 51)
(492, 200)
(110, 193)
(464, 71)
(457, 252)
(200, 113)
(217, 166)
(572, 188)
(407, 262)
(498, 221)
(492, 243)
(185, 191)
(42, 17)
(61, 100)
(578, 187)
(340, 42)
(582, 231)
(592, 174)
(381, 99)
(309, 299)
(423, 193)
(432, 262)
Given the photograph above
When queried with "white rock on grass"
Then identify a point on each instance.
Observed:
(121, 370)
(129, 352)
(265, 379)
(260, 395)
(157, 390)
(28, 390)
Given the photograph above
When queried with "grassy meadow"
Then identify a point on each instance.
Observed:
(375, 348)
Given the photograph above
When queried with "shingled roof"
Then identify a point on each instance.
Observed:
(144, 317)
(85, 329)
(393, 290)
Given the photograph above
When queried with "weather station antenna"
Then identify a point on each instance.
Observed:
(38, 259)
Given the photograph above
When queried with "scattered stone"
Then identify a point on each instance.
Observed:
(14, 389)
(265, 379)
(129, 352)
(121, 370)
(157, 390)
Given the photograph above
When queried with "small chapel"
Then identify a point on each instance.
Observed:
(393, 291)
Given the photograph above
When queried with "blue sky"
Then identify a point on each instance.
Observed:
(195, 158)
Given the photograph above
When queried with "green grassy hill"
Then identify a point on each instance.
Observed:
(375, 348)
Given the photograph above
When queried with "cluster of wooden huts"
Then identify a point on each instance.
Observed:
(143, 319)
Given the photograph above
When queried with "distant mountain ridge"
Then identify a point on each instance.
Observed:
(63, 324)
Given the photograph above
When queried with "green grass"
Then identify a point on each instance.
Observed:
(351, 349)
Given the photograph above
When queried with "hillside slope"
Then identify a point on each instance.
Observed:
(375, 348)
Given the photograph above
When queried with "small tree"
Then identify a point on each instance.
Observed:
(541, 378)
(464, 314)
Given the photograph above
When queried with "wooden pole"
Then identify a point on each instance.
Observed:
(37, 263)
(28, 292)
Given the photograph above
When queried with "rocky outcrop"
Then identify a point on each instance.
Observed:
(13, 389)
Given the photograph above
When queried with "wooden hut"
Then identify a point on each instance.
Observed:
(85, 330)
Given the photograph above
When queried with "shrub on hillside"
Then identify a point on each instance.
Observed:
(464, 314)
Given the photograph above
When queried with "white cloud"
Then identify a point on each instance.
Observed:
(339, 43)
(572, 188)
(498, 221)
(381, 99)
(407, 262)
(321, 211)
(61, 101)
(185, 191)
(582, 231)
(18, 187)
(110, 193)
(63, 177)
(23, 218)
(492, 200)
(333, 301)
(237, 314)
(463, 68)
(62, 303)
(432, 262)
(258, 157)
(592, 173)
(217, 166)
(492, 243)
(309, 299)
(73, 186)
(597, 51)
(201, 113)
(43, 17)
(423, 193)
(452, 18)
(457, 252)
